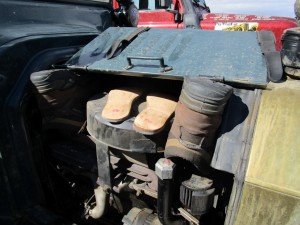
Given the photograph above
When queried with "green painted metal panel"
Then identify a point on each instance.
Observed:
(230, 56)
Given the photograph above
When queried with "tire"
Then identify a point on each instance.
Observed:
(297, 9)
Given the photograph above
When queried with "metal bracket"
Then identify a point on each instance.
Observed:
(163, 68)
(103, 162)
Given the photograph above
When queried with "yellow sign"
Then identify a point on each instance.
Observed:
(235, 26)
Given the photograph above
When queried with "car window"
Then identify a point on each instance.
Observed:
(153, 4)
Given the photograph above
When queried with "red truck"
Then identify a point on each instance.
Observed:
(170, 14)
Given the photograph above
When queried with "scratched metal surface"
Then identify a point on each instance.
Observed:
(236, 131)
(233, 56)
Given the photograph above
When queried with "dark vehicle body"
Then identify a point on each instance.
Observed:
(34, 35)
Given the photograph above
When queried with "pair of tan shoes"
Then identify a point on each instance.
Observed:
(149, 121)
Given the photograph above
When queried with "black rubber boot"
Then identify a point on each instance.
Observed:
(290, 51)
(62, 96)
(198, 116)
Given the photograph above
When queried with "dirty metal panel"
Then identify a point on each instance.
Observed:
(236, 131)
(275, 153)
(264, 206)
(232, 56)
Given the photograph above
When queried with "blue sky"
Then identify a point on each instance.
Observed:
(257, 7)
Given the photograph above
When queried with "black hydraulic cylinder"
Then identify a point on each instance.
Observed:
(164, 204)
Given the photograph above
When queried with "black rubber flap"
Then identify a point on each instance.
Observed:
(173, 54)
(236, 131)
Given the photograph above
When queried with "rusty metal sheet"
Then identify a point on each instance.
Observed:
(236, 131)
(232, 56)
